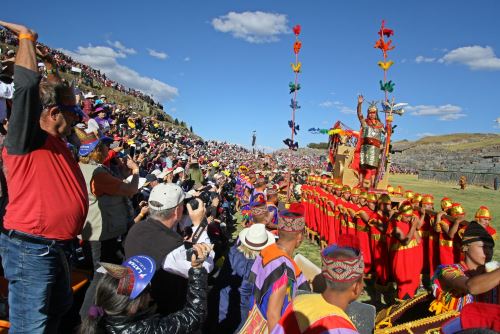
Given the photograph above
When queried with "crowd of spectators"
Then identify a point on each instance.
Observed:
(88, 75)
(398, 169)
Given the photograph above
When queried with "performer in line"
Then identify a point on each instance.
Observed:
(370, 145)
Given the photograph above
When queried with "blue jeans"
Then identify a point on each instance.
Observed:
(39, 284)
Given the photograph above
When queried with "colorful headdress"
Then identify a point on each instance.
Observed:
(483, 212)
(427, 199)
(457, 210)
(372, 106)
(446, 203)
(347, 269)
(258, 209)
(291, 221)
(398, 190)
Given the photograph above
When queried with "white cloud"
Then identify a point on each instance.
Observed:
(404, 60)
(475, 57)
(422, 59)
(187, 59)
(329, 104)
(119, 46)
(337, 105)
(106, 59)
(157, 54)
(445, 112)
(425, 134)
(253, 27)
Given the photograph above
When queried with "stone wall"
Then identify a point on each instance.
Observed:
(477, 177)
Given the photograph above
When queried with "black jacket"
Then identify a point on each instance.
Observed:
(187, 320)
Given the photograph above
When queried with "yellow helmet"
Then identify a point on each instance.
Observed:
(385, 199)
(406, 209)
(427, 199)
(337, 185)
(417, 198)
(363, 194)
(371, 197)
(446, 203)
(346, 189)
(483, 212)
(355, 191)
(390, 189)
(398, 190)
(409, 194)
(457, 210)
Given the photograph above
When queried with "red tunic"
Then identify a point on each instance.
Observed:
(378, 245)
(363, 233)
(424, 233)
(406, 261)
(351, 222)
(445, 246)
(332, 235)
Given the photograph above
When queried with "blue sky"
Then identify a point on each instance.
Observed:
(224, 66)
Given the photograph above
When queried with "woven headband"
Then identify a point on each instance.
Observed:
(343, 270)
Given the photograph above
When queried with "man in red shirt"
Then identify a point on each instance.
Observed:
(48, 199)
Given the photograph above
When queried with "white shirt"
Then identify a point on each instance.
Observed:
(175, 261)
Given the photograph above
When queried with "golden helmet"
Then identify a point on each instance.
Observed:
(390, 189)
(385, 199)
(409, 194)
(446, 203)
(363, 194)
(337, 185)
(346, 189)
(398, 190)
(427, 199)
(417, 198)
(457, 210)
(406, 209)
(483, 212)
(371, 197)
(355, 191)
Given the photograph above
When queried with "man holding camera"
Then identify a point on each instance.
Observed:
(157, 237)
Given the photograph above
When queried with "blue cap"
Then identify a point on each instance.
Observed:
(143, 268)
(87, 147)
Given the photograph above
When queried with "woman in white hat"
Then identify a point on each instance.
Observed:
(234, 287)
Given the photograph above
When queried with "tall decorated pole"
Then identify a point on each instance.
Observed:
(294, 88)
(384, 43)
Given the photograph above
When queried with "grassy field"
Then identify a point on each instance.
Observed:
(471, 199)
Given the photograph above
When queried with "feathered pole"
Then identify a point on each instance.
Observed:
(294, 88)
(384, 43)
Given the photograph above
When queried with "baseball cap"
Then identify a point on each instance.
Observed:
(166, 196)
(90, 142)
(178, 170)
(134, 274)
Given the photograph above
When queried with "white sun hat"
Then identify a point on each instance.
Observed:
(256, 237)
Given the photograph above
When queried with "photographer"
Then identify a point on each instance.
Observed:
(157, 237)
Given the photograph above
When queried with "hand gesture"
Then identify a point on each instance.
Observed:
(198, 214)
(131, 164)
(203, 250)
(360, 98)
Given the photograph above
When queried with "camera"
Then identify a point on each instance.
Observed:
(188, 245)
(205, 196)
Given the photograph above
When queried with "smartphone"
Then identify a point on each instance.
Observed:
(132, 151)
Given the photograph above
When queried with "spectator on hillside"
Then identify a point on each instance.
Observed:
(48, 199)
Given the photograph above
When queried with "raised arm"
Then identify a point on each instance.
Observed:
(26, 53)
(360, 111)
